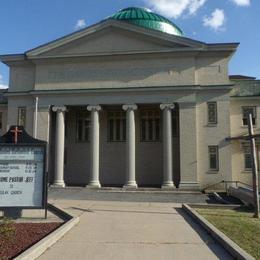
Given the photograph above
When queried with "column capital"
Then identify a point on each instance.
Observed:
(59, 109)
(129, 107)
(167, 106)
(94, 108)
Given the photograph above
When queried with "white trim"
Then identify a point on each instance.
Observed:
(121, 89)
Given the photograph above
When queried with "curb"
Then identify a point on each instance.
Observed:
(213, 206)
(40, 247)
(236, 251)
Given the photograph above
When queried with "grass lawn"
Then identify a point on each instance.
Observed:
(238, 225)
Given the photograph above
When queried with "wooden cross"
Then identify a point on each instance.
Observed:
(254, 164)
(16, 131)
(251, 137)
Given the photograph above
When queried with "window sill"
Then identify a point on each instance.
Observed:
(248, 172)
(212, 125)
(246, 127)
(150, 142)
(212, 171)
(116, 142)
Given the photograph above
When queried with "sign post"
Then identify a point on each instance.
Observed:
(254, 165)
(23, 180)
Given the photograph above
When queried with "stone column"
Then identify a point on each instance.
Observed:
(130, 139)
(59, 146)
(94, 141)
(167, 145)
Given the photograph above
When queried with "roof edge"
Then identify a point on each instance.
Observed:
(232, 46)
(6, 58)
(104, 24)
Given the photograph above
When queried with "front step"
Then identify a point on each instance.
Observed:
(147, 190)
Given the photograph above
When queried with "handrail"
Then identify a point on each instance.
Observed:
(211, 185)
(226, 184)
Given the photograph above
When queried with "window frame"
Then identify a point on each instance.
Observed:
(247, 151)
(1, 120)
(254, 115)
(217, 157)
(175, 123)
(215, 111)
(116, 115)
(156, 137)
(19, 119)
(245, 164)
(84, 119)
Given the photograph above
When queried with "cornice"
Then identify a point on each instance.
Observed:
(191, 88)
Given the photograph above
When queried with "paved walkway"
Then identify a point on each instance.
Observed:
(132, 230)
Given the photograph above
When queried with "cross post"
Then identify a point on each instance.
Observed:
(16, 131)
(254, 164)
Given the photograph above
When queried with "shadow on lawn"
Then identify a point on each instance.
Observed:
(240, 211)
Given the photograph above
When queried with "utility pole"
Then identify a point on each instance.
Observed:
(254, 164)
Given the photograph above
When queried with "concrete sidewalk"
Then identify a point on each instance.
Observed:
(132, 230)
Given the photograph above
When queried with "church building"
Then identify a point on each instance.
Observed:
(131, 102)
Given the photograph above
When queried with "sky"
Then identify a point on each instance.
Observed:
(25, 24)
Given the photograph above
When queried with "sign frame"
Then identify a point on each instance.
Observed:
(29, 142)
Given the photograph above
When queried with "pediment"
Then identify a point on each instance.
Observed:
(112, 37)
(111, 40)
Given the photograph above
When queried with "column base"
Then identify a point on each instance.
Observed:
(168, 185)
(189, 186)
(130, 185)
(94, 185)
(58, 184)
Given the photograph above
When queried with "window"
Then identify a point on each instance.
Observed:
(83, 126)
(175, 123)
(21, 116)
(212, 113)
(116, 126)
(150, 126)
(247, 158)
(1, 120)
(213, 158)
(66, 126)
(246, 111)
(65, 156)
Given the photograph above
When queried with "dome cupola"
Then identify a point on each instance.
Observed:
(146, 18)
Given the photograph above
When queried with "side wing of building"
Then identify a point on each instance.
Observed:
(245, 98)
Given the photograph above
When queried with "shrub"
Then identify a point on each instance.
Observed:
(7, 229)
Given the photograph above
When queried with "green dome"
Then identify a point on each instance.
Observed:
(145, 18)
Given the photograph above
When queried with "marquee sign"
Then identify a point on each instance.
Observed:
(22, 170)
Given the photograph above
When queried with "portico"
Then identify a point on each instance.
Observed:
(160, 141)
